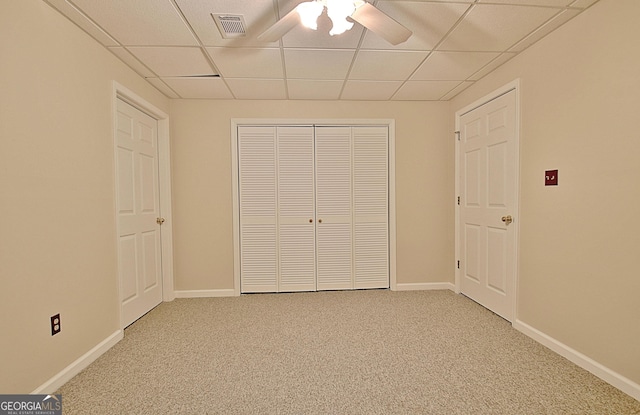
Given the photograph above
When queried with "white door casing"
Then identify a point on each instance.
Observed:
(137, 211)
(487, 165)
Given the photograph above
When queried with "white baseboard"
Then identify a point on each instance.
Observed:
(613, 378)
(76, 367)
(425, 286)
(205, 293)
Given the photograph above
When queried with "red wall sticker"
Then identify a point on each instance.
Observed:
(551, 178)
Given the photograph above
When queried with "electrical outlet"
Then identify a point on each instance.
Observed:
(55, 324)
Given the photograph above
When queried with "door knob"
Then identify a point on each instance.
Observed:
(159, 221)
(507, 219)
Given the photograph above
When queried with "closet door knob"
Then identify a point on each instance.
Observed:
(310, 220)
(319, 220)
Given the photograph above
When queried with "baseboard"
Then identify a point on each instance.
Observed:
(613, 378)
(205, 293)
(425, 286)
(76, 367)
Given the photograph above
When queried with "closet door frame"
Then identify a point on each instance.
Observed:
(236, 122)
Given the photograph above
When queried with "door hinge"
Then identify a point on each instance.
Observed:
(458, 200)
(457, 135)
(458, 264)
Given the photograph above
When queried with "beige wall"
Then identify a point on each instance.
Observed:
(57, 238)
(202, 184)
(579, 241)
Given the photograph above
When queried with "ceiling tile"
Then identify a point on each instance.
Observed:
(455, 91)
(173, 61)
(429, 22)
(162, 87)
(491, 66)
(385, 65)
(177, 46)
(495, 27)
(147, 22)
(248, 62)
(370, 90)
(257, 88)
(132, 61)
(83, 21)
(552, 3)
(199, 88)
(545, 29)
(258, 16)
(308, 89)
(452, 66)
(317, 64)
(583, 3)
(424, 90)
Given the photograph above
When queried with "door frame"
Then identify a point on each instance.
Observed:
(511, 86)
(164, 183)
(390, 123)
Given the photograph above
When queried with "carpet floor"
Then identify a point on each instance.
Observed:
(342, 352)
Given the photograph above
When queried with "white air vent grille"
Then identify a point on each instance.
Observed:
(230, 25)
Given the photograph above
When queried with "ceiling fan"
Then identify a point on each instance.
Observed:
(342, 14)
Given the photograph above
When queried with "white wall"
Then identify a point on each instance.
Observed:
(57, 237)
(578, 281)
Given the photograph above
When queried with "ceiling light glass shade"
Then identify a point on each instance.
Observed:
(309, 13)
(338, 11)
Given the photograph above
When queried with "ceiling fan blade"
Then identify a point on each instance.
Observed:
(381, 24)
(281, 27)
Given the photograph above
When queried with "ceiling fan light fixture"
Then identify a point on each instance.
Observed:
(342, 13)
(309, 13)
(338, 11)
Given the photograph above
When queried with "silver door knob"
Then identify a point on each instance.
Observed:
(507, 219)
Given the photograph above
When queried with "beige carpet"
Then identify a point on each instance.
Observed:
(349, 352)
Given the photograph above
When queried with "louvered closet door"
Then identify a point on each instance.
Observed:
(352, 227)
(334, 234)
(313, 208)
(296, 207)
(258, 209)
(370, 203)
(277, 225)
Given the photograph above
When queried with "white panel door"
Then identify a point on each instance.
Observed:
(334, 208)
(371, 206)
(296, 209)
(488, 183)
(137, 205)
(258, 208)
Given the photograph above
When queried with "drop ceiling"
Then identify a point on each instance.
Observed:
(177, 46)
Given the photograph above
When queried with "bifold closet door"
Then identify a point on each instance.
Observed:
(313, 208)
(352, 231)
(334, 208)
(276, 173)
(371, 207)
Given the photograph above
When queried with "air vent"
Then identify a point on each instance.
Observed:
(230, 25)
